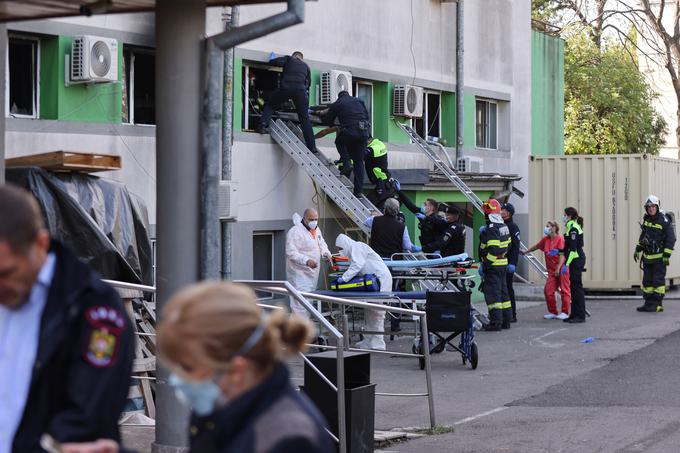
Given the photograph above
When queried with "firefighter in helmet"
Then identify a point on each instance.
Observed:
(654, 248)
(494, 241)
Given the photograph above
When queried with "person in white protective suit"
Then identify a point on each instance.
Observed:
(305, 247)
(363, 260)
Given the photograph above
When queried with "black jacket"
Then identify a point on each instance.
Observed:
(271, 418)
(513, 250)
(352, 114)
(494, 242)
(432, 228)
(387, 236)
(452, 242)
(657, 237)
(296, 74)
(81, 374)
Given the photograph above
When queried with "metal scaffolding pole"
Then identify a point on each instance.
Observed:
(460, 63)
(180, 26)
(3, 62)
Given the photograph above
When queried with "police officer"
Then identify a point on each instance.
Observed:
(494, 241)
(353, 133)
(452, 242)
(507, 212)
(573, 258)
(655, 247)
(376, 164)
(431, 225)
(295, 82)
(67, 343)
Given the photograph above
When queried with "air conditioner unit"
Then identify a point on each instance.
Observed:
(94, 59)
(469, 165)
(408, 101)
(332, 83)
(227, 201)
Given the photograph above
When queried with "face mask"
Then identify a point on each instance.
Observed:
(546, 231)
(202, 396)
(565, 219)
(313, 224)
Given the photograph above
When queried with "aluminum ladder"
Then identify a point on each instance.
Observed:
(464, 189)
(336, 186)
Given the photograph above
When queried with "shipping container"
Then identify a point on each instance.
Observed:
(609, 192)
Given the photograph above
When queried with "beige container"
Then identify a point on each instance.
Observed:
(609, 192)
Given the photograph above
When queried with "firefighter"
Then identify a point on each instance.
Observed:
(507, 212)
(376, 164)
(654, 247)
(573, 260)
(494, 241)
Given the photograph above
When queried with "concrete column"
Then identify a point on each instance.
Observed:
(180, 26)
(3, 83)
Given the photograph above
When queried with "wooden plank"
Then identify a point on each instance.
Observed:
(148, 398)
(134, 392)
(143, 365)
(68, 161)
(151, 308)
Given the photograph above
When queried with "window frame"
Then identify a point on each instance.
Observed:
(36, 79)
(245, 89)
(487, 131)
(355, 88)
(131, 92)
(426, 115)
(272, 236)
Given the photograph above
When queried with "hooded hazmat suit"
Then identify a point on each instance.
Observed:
(303, 244)
(363, 260)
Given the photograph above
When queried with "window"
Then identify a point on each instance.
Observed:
(429, 126)
(364, 91)
(486, 124)
(263, 259)
(139, 89)
(259, 81)
(22, 73)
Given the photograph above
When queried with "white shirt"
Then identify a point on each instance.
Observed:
(19, 335)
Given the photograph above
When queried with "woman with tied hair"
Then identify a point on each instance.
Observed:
(226, 358)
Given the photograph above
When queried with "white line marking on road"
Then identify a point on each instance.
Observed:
(545, 344)
(483, 414)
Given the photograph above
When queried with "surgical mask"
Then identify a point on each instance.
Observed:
(202, 396)
(565, 219)
(313, 224)
(546, 231)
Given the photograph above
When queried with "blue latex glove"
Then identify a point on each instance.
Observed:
(480, 271)
(482, 228)
(553, 252)
(397, 184)
(420, 216)
(339, 281)
(416, 248)
(511, 269)
(437, 252)
(272, 56)
(563, 271)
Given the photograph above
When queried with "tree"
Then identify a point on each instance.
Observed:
(607, 102)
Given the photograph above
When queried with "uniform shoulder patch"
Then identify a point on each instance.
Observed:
(105, 326)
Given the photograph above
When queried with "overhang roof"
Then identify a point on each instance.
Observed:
(15, 10)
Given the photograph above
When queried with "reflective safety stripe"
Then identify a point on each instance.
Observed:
(648, 289)
(379, 149)
(572, 256)
(506, 243)
(495, 242)
(658, 226)
(482, 246)
(660, 290)
(668, 251)
(354, 285)
(496, 306)
(573, 224)
(495, 261)
(507, 304)
(381, 175)
(653, 256)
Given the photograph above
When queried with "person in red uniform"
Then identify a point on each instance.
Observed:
(550, 244)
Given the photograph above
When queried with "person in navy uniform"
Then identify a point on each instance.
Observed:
(67, 342)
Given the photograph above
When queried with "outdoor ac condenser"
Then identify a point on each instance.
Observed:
(469, 164)
(227, 204)
(332, 83)
(408, 101)
(94, 59)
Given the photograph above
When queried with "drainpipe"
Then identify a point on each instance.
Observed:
(460, 113)
(212, 124)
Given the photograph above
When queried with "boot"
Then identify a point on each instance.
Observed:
(377, 343)
(506, 325)
(651, 308)
(365, 343)
(493, 327)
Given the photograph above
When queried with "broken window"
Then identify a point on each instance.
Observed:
(139, 87)
(259, 81)
(22, 73)
(486, 124)
(429, 125)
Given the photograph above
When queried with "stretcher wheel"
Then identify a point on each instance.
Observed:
(474, 355)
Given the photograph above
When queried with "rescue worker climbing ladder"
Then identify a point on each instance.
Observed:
(494, 241)
(655, 247)
(376, 164)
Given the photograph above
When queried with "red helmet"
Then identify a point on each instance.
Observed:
(491, 206)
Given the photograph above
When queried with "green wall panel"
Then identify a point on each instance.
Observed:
(237, 112)
(547, 94)
(449, 118)
(469, 121)
(381, 110)
(49, 69)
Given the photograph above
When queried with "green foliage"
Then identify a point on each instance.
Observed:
(608, 104)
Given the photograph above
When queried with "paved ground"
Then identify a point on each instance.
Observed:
(538, 388)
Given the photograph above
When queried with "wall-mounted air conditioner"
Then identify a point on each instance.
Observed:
(408, 101)
(227, 201)
(93, 59)
(332, 83)
(469, 165)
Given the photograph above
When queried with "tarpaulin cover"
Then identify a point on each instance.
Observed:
(96, 218)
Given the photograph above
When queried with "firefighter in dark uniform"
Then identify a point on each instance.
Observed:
(431, 225)
(507, 212)
(376, 164)
(72, 340)
(574, 259)
(353, 132)
(654, 247)
(452, 242)
(494, 241)
(295, 81)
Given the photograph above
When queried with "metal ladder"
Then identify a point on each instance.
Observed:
(336, 186)
(464, 189)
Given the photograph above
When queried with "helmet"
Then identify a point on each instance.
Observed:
(651, 200)
(509, 207)
(491, 206)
